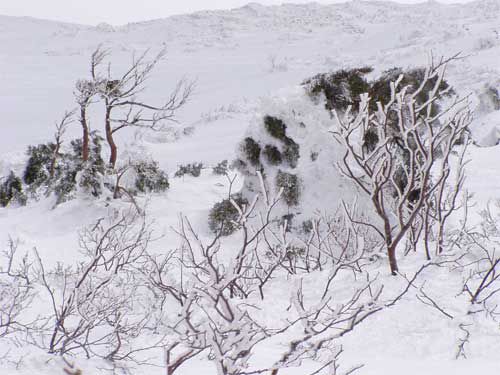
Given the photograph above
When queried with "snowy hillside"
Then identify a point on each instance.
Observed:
(239, 59)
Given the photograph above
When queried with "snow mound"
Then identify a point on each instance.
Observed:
(321, 187)
(486, 130)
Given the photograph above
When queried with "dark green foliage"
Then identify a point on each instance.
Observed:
(288, 219)
(291, 187)
(239, 165)
(223, 215)
(64, 183)
(307, 226)
(93, 170)
(291, 152)
(150, 178)
(341, 88)
(91, 180)
(380, 90)
(37, 168)
(293, 252)
(370, 140)
(192, 169)
(273, 155)
(68, 165)
(275, 127)
(11, 190)
(314, 155)
(252, 151)
(221, 169)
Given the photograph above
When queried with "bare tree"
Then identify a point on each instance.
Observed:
(61, 128)
(220, 290)
(123, 108)
(96, 308)
(409, 168)
(482, 266)
(85, 92)
(16, 290)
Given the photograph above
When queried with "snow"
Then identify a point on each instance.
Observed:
(229, 55)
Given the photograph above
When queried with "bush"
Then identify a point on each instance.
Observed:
(275, 127)
(291, 153)
(193, 169)
(307, 226)
(273, 155)
(221, 169)
(150, 178)
(93, 171)
(223, 215)
(291, 187)
(380, 89)
(252, 151)
(11, 190)
(36, 172)
(341, 89)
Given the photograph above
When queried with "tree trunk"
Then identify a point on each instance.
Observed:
(393, 263)
(109, 138)
(54, 160)
(391, 247)
(86, 135)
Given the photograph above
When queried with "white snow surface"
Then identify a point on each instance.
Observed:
(229, 55)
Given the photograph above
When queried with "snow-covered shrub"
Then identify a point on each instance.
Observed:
(341, 88)
(221, 168)
(489, 100)
(252, 150)
(380, 89)
(290, 184)
(291, 153)
(223, 215)
(275, 127)
(61, 172)
(11, 190)
(36, 172)
(192, 169)
(273, 155)
(149, 177)
(295, 128)
(290, 139)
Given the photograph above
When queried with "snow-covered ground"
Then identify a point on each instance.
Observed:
(237, 57)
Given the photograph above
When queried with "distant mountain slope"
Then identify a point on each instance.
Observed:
(231, 53)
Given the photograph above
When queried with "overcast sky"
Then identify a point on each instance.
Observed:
(122, 11)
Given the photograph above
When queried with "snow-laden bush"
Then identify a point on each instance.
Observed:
(192, 169)
(290, 140)
(37, 168)
(223, 216)
(11, 191)
(149, 177)
(489, 100)
(221, 168)
(60, 172)
(291, 187)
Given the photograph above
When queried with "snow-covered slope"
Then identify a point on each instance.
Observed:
(237, 57)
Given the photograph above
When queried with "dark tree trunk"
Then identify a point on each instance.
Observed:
(393, 263)
(86, 135)
(109, 138)
(391, 248)
(53, 162)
